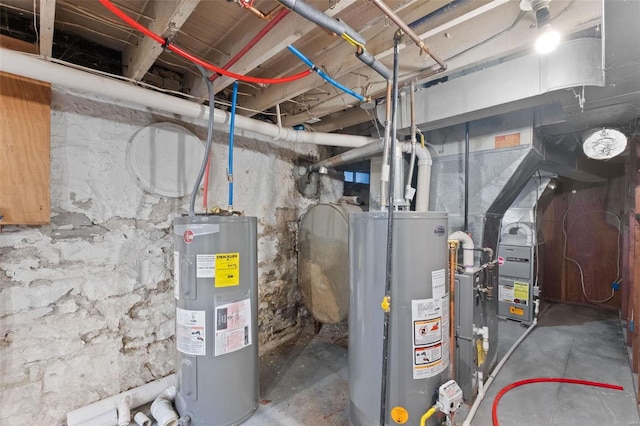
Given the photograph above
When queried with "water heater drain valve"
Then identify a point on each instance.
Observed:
(449, 397)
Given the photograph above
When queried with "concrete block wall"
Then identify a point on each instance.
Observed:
(86, 303)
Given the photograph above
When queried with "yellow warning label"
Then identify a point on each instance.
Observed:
(399, 415)
(516, 311)
(227, 269)
(521, 291)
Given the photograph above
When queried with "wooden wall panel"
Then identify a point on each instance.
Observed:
(25, 123)
(592, 240)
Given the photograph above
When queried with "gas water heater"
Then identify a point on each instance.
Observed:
(216, 318)
(419, 316)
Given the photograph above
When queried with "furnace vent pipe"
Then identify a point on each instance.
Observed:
(467, 247)
(35, 67)
(350, 156)
(317, 17)
(423, 186)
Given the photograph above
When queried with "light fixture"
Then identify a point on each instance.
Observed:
(548, 38)
(603, 144)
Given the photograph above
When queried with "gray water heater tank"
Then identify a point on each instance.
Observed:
(323, 261)
(419, 317)
(216, 290)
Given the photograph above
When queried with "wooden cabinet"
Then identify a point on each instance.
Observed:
(25, 127)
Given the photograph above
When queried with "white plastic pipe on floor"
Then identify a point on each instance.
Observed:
(104, 412)
(162, 408)
(37, 68)
(467, 247)
(483, 389)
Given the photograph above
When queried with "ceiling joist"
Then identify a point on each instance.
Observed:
(47, 19)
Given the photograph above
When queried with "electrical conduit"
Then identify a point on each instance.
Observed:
(234, 100)
(492, 376)
(323, 74)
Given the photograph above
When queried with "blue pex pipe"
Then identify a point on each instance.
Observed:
(324, 75)
(232, 122)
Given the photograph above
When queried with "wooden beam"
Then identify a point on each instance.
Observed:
(169, 18)
(47, 19)
(17, 45)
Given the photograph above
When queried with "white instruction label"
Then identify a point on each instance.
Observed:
(205, 266)
(191, 332)
(438, 283)
(233, 327)
(430, 324)
(506, 293)
(176, 274)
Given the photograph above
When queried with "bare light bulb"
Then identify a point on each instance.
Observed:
(548, 39)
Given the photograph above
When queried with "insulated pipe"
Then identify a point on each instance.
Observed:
(467, 247)
(408, 31)
(162, 408)
(35, 67)
(350, 156)
(409, 192)
(372, 62)
(423, 187)
(334, 25)
(384, 170)
(496, 370)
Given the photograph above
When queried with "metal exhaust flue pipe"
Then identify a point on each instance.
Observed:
(350, 156)
(409, 32)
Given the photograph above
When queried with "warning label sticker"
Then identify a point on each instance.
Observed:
(190, 332)
(227, 269)
(428, 356)
(205, 265)
(521, 291)
(176, 274)
(427, 332)
(232, 327)
(430, 317)
(506, 293)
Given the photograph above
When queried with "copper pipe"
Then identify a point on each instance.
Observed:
(266, 16)
(453, 255)
(408, 31)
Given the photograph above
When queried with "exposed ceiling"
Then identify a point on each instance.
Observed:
(465, 33)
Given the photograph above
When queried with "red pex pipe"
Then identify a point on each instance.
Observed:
(504, 390)
(253, 41)
(147, 32)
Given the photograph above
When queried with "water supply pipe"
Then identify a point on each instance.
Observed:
(453, 249)
(467, 247)
(496, 370)
(36, 67)
(373, 63)
(272, 23)
(323, 20)
(324, 75)
(409, 32)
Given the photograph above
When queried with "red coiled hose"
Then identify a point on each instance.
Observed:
(504, 390)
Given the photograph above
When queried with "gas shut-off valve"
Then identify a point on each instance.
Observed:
(449, 397)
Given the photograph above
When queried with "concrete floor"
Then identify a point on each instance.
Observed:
(305, 383)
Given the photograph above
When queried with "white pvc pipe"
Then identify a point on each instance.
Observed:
(467, 247)
(104, 412)
(35, 67)
(480, 397)
(141, 419)
(124, 411)
(423, 185)
(162, 408)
